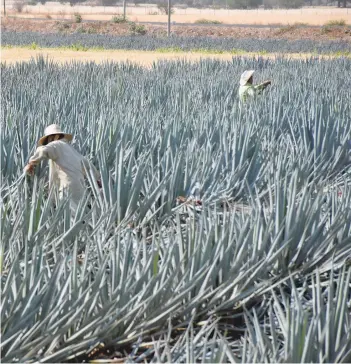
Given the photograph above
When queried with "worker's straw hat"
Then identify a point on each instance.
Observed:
(245, 77)
(53, 129)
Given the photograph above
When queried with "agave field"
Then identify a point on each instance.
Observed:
(222, 232)
(150, 43)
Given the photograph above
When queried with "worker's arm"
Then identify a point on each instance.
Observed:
(87, 165)
(43, 152)
(262, 85)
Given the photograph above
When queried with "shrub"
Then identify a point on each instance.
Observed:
(169, 50)
(33, 46)
(91, 31)
(301, 24)
(77, 18)
(207, 21)
(163, 8)
(81, 30)
(325, 29)
(119, 19)
(339, 22)
(286, 29)
(63, 26)
(78, 47)
(137, 28)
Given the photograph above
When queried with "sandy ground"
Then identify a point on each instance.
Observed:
(143, 58)
(313, 16)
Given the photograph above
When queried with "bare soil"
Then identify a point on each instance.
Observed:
(143, 58)
(285, 32)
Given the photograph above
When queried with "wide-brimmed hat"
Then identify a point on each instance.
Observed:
(245, 77)
(53, 129)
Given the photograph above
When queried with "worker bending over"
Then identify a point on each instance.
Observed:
(66, 166)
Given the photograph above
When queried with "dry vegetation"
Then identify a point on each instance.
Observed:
(314, 16)
(285, 32)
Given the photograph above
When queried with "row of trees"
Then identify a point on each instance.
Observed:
(238, 4)
(251, 4)
(227, 4)
(343, 3)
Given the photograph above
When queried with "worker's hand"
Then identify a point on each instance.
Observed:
(29, 169)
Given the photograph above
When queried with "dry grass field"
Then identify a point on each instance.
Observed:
(312, 16)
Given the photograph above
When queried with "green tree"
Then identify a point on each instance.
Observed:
(292, 4)
(244, 4)
(72, 2)
(108, 2)
(343, 2)
(163, 7)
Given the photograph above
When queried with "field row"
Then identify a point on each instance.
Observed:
(83, 42)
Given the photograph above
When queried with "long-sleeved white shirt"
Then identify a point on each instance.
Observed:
(66, 168)
(249, 90)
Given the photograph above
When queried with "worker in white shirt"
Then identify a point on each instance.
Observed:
(247, 89)
(67, 167)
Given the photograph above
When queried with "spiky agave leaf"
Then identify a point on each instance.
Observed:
(269, 215)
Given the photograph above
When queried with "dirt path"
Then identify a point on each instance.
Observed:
(143, 58)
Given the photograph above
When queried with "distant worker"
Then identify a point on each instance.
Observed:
(66, 166)
(247, 89)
